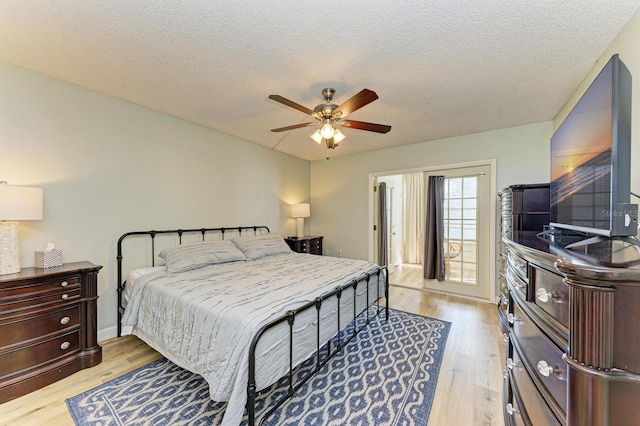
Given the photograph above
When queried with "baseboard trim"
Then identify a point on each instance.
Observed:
(107, 333)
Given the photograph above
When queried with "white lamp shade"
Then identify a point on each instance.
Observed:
(20, 203)
(316, 136)
(327, 131)
(300, 210)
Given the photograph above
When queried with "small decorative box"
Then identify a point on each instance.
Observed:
(48, 259)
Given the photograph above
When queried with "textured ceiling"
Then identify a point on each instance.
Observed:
(441, 68)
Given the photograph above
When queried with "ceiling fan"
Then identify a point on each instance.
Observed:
(330, 115)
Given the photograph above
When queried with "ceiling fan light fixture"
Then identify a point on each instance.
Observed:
(328, 114)
(327, 131)
(317, 137)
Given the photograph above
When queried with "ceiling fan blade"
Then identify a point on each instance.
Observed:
(295, 126)
(291, 104)
(362, 98)
(362, 125)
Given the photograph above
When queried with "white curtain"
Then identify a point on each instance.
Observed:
(414, 218)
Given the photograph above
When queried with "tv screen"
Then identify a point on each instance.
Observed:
(590, 159)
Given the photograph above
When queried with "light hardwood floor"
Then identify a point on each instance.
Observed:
(469, 390)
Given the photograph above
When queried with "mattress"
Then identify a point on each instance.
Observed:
(205, 319)
(132, 279)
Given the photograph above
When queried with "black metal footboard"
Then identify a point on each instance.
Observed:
(217, 233)
(290, 318)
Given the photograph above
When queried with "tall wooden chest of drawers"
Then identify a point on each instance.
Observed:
(48, 326)
(522, 208)
(574, 334)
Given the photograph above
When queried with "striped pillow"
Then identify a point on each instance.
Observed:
(197, 255)
(255, 247)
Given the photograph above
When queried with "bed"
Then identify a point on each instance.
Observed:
(239, 308)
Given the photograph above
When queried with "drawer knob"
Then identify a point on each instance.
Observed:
(512, 318)
(511, 409)
(505, 337)
(65, 320)
(543, 295)
(544, 368)
(65, 345)
(505, 300)
(511, 364)
(64, 283)
(65, 296)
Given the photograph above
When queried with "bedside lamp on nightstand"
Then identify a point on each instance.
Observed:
(16, 203)
(300, 211)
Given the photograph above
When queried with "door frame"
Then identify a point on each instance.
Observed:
(393, 244)
(492, 210)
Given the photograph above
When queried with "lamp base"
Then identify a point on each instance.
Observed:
(300, 227)
(9, 248)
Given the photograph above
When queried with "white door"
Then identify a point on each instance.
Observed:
(467, 232)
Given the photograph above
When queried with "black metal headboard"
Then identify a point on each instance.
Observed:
(179, 233)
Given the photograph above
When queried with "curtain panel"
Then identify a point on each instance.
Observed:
(434, 230)
(383, 258)
(414, 218)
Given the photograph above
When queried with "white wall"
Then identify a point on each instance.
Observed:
(108, 167)
(339, 187)
(626, 45)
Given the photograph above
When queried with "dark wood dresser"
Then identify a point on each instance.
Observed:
(574, 332)
(310, 244)
(48, 326)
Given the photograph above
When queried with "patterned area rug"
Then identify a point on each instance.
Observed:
(385, 376)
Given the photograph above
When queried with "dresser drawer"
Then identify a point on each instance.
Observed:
(21, 289)
(517, 284)
(519, 265)
(305, 246)
(503, 305)
(533, 407)
(551, 294)
(503, 322)
(512, 405)
(24, 330)
(30, 301)
(541, 355)
(502, 266)
(32, 356)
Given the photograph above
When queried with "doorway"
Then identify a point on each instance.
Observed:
(469, 227)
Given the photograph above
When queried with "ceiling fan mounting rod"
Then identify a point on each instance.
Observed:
(328, 94)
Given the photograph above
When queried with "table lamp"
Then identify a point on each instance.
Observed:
(16, 203)
(300, 211)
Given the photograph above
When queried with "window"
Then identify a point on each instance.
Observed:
(461, 230)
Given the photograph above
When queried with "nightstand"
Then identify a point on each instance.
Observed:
(48, 323)
(309, 244)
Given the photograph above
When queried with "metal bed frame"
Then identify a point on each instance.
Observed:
(288, 317)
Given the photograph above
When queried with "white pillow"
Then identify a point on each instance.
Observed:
(197, 255)
(257, 246)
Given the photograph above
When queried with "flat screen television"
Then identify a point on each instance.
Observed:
(591, 159)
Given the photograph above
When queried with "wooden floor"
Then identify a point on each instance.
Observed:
(469, 385)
